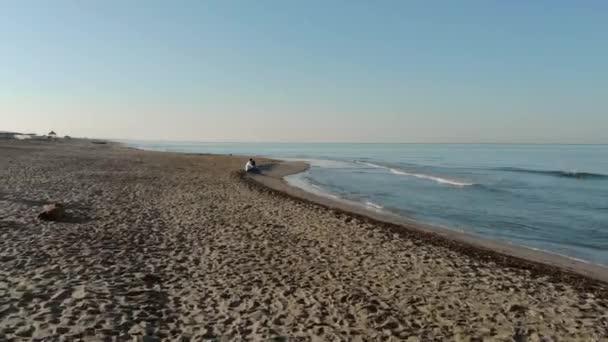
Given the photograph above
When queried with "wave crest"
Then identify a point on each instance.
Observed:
(556, 173)
(373, 205)
(437, 179)
(430, 177)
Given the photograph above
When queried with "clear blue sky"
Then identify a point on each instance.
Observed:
(394, 71)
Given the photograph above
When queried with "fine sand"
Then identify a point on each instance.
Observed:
(173, 246)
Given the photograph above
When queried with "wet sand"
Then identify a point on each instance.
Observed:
(170, 246)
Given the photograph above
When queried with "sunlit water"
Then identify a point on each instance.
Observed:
(549, 197)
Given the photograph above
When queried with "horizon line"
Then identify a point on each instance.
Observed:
(348, 142)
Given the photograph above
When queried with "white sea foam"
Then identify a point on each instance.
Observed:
(419, 175)
(429, 177)
(372, 165)
(299, 181)
(374, 205)
(322, 191)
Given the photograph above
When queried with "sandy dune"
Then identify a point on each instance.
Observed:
(167, 246)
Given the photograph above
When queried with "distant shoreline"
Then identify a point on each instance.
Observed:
(353, 142)
(537, 261)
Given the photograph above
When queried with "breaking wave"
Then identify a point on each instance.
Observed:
(437, 179)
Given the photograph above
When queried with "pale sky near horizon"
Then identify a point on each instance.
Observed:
(373, 71)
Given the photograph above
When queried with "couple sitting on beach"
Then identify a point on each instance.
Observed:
(251, 167)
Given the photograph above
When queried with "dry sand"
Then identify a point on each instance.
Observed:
(168, 246)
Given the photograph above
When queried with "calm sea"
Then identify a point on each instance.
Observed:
(548, 197)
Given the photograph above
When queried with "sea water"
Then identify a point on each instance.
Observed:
(547, 197)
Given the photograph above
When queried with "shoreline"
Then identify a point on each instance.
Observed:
(538, 261)
(545, 263)
(157, 245)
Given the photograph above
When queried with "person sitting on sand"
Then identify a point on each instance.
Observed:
(251, 167)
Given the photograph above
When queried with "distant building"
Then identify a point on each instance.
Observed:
(52, 135)
(8, 135)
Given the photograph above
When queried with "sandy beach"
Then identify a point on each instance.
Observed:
(159, 246)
